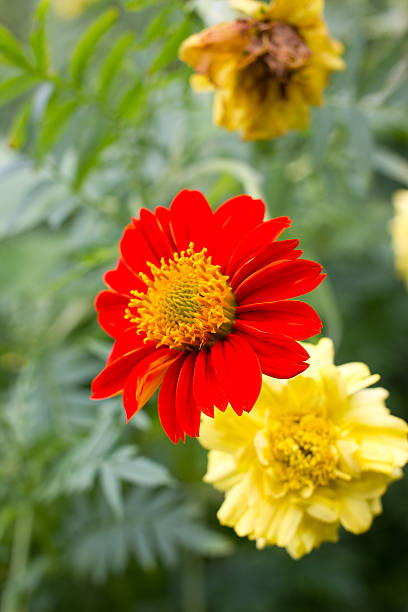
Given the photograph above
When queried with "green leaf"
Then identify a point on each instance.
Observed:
(14, 87)
(155, 525)
(112, 63)
(170, 49)
(139, 5)
(86, 46)
(53, 123)
(157, 26)
(142, 471)
(19, 129)
(112, 489)
(391, 164)
(89, 155)
(132, 100)
(11, 49)
(38, 39)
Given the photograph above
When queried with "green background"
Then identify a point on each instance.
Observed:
(96, 515)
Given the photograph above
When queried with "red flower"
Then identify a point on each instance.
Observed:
(199, 302)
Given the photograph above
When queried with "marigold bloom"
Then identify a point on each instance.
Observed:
(399, 232)
(316, 452)
(268, 69)
(200, 303)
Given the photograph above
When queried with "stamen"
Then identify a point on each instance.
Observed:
(301, 451)
(188, 303)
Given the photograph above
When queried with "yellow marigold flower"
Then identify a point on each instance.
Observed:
(266, 69)
(70, 9)
(316, 452)
(399, 232)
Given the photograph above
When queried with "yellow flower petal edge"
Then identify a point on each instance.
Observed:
(316, 452)
(268, 68)
(399, 233)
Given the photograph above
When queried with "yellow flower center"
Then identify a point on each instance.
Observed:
(302, 451)
(188, 303)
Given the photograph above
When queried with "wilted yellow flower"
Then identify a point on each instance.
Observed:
(316, 452)
(399, 231)
(266, 69)
(70, 9)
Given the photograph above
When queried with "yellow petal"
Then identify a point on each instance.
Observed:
(200, 83)
(289, 522)
(374, 456)
(355, 515)
(221, 470)
(250, 7)
(299, 13)
(323, 508)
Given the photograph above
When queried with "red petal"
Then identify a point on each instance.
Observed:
(291, 318)
(235, 219)
(187, 411)
(136, 251)
(111, 309)
(207, 389)
(155, 237)
(280, 282)
(273, 253)
(255, 240)
(127, 342)
(238, 372)
(279, 356)
(163, 219)
(244, 372)
(145, 378)
(112, 379)
(122, 280)
(202, 393)
(167, 401)
(192, 220)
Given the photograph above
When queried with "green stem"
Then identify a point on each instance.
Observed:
(11, 599)
(193, 588)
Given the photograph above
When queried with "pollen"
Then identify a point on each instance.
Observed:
(188, 303)
(302, 451)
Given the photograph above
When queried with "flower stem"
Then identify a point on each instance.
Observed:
(18, 561)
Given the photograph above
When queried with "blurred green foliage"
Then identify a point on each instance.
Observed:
(97, 120)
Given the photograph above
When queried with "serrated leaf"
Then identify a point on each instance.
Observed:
(86, 46)
(11, 49)
(15, 86)
(112, 63)
(151, 528)
(170, 48)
